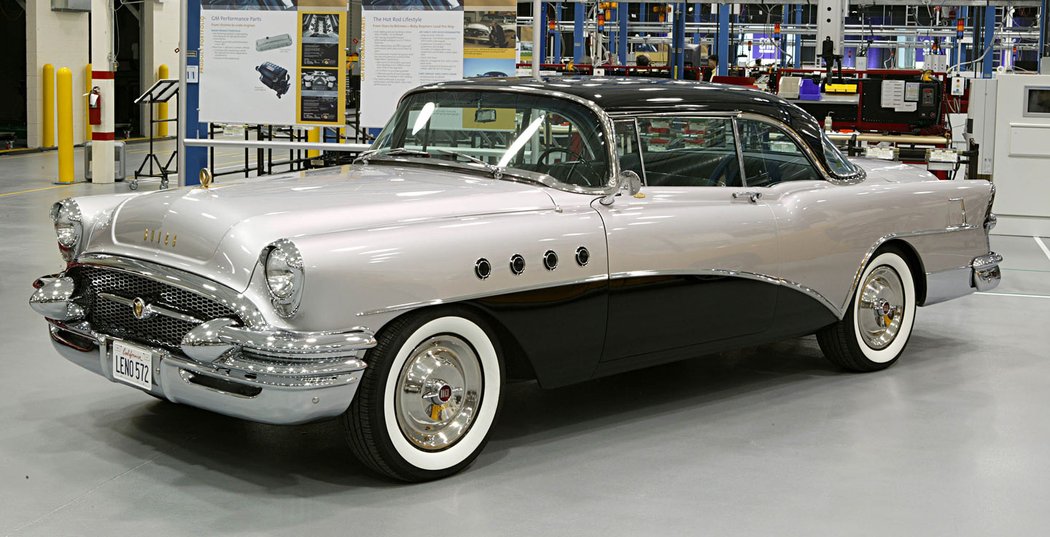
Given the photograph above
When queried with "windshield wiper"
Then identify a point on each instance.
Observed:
(496, 171)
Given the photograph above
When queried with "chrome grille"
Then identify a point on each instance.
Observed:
(119, 321)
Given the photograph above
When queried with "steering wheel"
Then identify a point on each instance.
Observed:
(542, 160)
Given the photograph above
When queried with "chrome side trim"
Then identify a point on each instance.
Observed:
(883, 240)
(151, 309)
(765, 278)
(474, 296)
(947, 284)
(237, 302)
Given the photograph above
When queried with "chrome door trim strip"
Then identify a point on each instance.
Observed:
(765, 278)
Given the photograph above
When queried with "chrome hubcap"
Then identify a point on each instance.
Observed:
(438, 392)
(881, 308)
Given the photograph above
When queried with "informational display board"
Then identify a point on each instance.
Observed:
(278, 62)
(404, 45)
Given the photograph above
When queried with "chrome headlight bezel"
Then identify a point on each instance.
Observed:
(69, 227)
(284, 276)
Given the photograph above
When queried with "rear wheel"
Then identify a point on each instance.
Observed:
(429, 396)
(873, 333)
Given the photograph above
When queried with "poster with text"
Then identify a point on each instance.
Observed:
(273, 62)
(321, 68)
(407, 43)
(247, 64)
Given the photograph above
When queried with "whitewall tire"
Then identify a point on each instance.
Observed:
(875, 330)
(429, 396)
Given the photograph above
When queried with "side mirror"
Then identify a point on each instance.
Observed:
(630, 182)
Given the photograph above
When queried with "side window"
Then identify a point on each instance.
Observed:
(771, 156)
(627, 147)
(689, 151)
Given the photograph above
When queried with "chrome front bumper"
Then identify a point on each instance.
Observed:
(263, 375)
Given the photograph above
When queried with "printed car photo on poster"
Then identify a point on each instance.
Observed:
(490, 30)
(487, 67)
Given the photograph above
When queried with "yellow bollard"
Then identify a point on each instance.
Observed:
(65, 125)
(47, 138)
(87, 107)
(162, 108)
(313, 135)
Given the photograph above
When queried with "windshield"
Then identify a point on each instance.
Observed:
(838, 162)
(549, 140)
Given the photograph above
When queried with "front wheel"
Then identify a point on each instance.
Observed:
(429, 396)
(873, 333)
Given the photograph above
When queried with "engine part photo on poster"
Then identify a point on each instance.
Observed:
(319, 95)
(321, 26)
(274, 77)
(318, 80)
(273, 42)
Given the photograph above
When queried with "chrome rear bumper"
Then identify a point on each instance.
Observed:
(982, 274)
(986, 273)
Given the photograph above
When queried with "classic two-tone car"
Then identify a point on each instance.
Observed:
(555, 230)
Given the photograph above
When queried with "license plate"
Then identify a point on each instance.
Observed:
(132, 364)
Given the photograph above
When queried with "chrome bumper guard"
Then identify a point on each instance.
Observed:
(264, 375)
(986, 273)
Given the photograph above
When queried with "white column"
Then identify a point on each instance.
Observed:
(831, 22)
(102, 63)
(59, 38)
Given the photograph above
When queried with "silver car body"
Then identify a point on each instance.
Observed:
(381, 240)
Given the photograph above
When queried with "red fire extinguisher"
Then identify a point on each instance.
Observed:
(95, 106)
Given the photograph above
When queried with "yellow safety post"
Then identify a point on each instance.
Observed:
(87, 107)
(65, 125)
(162, 108)
(313, 135)
(48, 130)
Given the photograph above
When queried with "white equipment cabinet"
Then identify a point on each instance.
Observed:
(1021, 152)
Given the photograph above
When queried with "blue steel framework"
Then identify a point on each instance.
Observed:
(192, 159)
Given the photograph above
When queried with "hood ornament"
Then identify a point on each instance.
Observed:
(206, 178)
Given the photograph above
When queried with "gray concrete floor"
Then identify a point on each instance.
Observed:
(953, 440)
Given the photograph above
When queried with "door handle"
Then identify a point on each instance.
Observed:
(751, 196)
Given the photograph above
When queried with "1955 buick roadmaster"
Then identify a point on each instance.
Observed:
(556, 230)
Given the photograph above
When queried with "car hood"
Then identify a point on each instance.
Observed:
(220, 231)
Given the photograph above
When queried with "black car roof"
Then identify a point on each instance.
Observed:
(637, 95)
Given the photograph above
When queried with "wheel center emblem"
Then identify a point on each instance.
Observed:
(445, 393)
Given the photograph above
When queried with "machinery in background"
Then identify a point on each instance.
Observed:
(1008, 126)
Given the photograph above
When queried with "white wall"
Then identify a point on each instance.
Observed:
(160, 38)
(60, 39)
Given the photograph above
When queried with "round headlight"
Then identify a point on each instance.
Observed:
(283, 268)
(68, 227)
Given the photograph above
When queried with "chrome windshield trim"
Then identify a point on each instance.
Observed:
(603, 117)
(244, 308)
